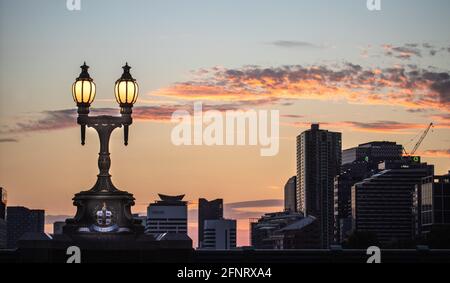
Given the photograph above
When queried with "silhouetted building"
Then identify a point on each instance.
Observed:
(3, 234)
(168, 215)
(358, 163)
(435, 203)
(219, 234)
(58, 227)
(302, 234)
(3, 203)
(373, 153)
(318, 163)
(353, 173)
(290, 195)
(21, 220)
(383, 205)
(263, 231)
(208, 210)
(141, 218)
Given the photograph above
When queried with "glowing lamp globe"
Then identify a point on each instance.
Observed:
(83, 90)
(126, 89)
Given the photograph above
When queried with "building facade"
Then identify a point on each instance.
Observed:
(219, 234)
(318, 163)
(3, 203)
(290, 195)
(21, 220)
(208, 210)
(352, 174)
(302, 234)
(263, 231)
(384, 205)
(3, 227)
(58, 227)
(168, 215)
(358, 163)
(435, 203)
(3, 234)
(373, 153)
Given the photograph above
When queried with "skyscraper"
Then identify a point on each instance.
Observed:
(385, 204)
(318, 163)
(168, 215)
(290, 198)
(21, 220)
(219, 234)
(358, 163)
(373, 153)
(350, 175)
(208, 210)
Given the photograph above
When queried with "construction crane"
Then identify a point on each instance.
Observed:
(422, 138)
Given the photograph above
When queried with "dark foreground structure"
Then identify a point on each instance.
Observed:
(174, 251)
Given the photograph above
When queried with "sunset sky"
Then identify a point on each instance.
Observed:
(381, 75)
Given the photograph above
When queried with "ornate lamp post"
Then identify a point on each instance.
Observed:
(104, 208)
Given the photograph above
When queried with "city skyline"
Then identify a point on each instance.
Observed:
(373, 76)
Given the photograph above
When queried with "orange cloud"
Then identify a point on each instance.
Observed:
(391, 127)
(435, 153)
(408, 87)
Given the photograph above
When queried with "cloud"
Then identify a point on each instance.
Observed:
(292, 116)
(8, 140)
(405, 86)
(405, 52)
(294, 44)
(49, 120)
(50, 219)
(402, 52)
(255, 204)
(375, 127)
(66, 118)
(445, 153)
(252, 209)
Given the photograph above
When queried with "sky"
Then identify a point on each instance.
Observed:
(372, 75)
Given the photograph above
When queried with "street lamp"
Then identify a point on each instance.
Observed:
(104, 208)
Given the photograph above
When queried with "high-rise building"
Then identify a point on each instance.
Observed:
(383, 205)
(290, 195)
(318, 163)
(373, 153)
(219, 234)
(168, 215)
(3, 203)
(358, 163)
(208, 210)
(435, 203)
(21, 220)
(353, 173)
